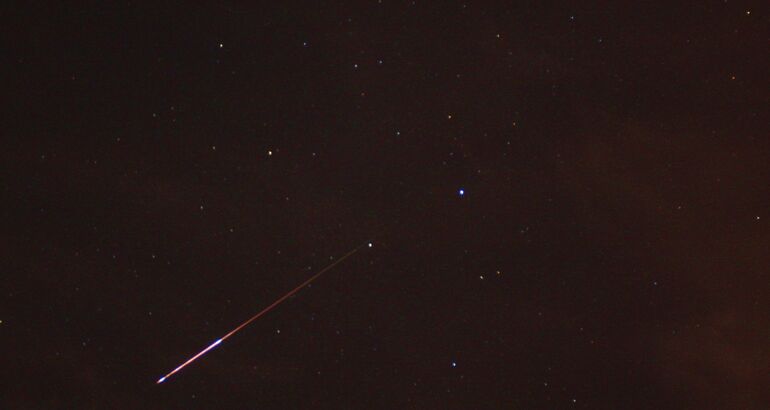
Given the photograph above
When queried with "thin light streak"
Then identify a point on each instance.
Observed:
(262, 312)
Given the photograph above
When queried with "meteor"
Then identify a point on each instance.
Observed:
(262, 312)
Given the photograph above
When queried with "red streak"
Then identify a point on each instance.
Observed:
(255, 317)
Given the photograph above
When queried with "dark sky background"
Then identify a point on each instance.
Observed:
(170, 169)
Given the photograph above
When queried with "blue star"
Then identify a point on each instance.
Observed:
(461, 192)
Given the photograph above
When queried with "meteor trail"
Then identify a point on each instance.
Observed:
(265, 310)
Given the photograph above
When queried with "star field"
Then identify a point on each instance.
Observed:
(557, 205)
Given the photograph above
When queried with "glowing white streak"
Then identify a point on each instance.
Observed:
(204, 351)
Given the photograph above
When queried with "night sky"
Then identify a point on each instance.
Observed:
(569, 205)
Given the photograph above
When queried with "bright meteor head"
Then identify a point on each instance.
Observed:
(161, 380)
